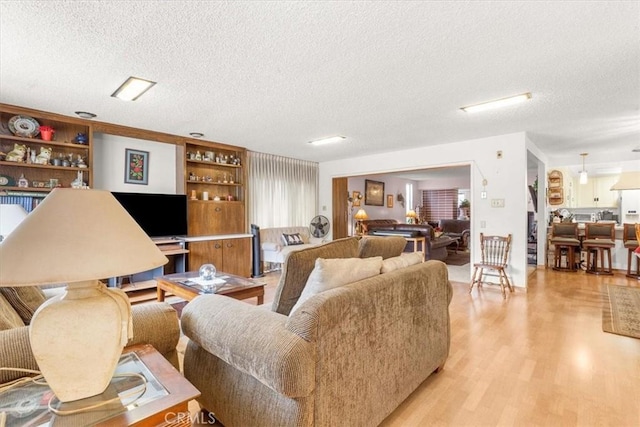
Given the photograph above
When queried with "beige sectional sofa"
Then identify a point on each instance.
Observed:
(347, 356)
(273, 248)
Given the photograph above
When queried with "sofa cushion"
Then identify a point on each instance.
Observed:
(402, 261)
(25, 300)
(292, 239)
(333, 273)
(298, 266)
(9, 318)
(384, 246)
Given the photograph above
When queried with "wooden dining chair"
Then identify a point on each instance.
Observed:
(495, 254)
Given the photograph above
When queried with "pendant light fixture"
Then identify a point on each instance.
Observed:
(583, 172)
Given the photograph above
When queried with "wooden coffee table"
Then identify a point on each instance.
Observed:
(183, 286)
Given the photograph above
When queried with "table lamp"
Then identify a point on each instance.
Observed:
(78, 237)
(10, 217)
(411, 217)
(359, 216)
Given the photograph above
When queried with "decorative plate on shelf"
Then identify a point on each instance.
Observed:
(24, 126)
(6, 180)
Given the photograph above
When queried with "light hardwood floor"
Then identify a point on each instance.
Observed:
(539, 357)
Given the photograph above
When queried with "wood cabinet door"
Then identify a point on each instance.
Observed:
(237, 256)
(209, 252)
(606, 197)
(585, 194)
(207, 218)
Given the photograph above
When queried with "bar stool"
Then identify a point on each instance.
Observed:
(599, 238)
(630, 240)
(564, 238)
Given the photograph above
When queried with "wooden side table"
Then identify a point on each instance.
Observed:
(164, 401)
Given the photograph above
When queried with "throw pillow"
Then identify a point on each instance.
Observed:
(292, 239)
(333, 273)
(9, 319)
(25, 300)
(402, 261)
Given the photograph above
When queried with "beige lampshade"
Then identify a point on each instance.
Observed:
(627, 181)
(76, 235)
(361, 214)
(411, 214)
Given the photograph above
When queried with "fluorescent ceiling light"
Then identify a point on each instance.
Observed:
(329, 140)
(498, 103)
(132, 88)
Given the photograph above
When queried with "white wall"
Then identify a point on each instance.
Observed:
(507, 180)
(444, 183)
(109, 164)
(392, 186)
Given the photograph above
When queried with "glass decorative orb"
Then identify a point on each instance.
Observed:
(207, 272)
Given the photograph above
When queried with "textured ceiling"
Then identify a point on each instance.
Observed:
(271, 76)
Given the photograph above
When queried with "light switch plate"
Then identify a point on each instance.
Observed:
(497, 203)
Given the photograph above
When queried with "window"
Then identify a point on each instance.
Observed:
(409, 199)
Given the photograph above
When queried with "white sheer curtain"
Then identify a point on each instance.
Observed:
(282, 191)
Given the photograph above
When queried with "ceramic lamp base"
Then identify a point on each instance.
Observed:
(78, 337)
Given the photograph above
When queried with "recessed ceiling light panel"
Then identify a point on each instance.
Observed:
(498, 103)
(132, 89)
(328, 140)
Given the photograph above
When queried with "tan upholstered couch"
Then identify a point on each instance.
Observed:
(347, 356)
(154, 323)
(273, 248)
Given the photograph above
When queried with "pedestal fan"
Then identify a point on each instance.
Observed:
(319, 226)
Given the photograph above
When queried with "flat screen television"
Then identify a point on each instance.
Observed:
(159, 215)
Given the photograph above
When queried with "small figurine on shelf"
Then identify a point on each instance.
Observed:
(225, 178)
(80, 162)
(81, 138)
(29, 159)
(193, 195)
(17, 154)
(44, 156)
(198, 155)
(192, 177)
(23, 182)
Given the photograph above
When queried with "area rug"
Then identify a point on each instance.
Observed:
(621, 311)
(461, 258)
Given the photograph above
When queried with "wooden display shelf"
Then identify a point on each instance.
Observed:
(43, 142)
(27, 189)
(211, 163)
(229, 184)
(39, 166)
(141, 291)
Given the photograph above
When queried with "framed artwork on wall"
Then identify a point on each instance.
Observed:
(373, 193)
(390, 200)
(136, 169)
